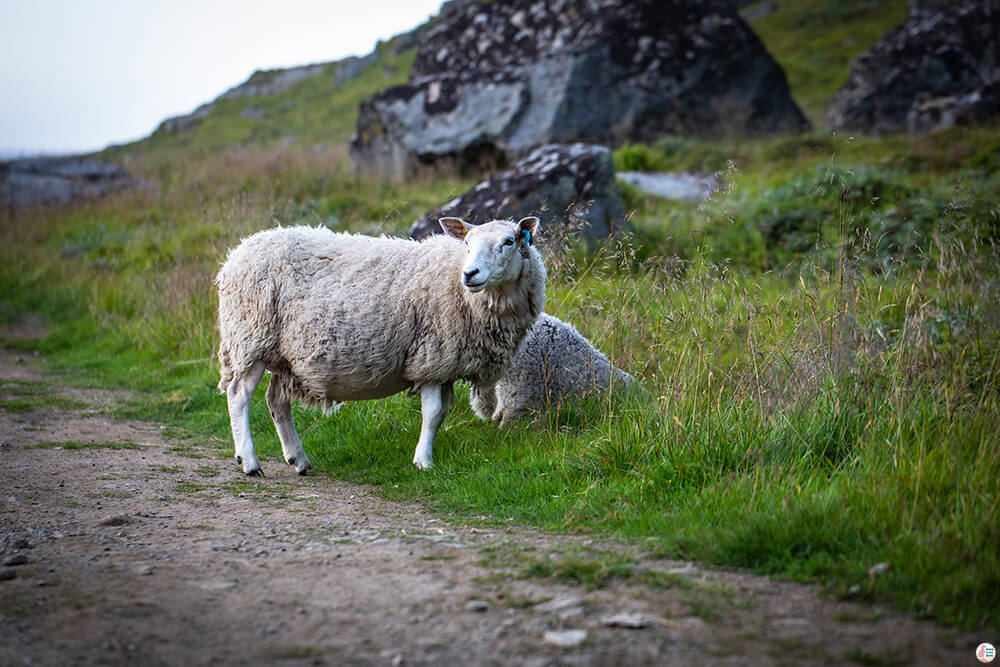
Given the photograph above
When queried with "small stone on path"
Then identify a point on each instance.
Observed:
(625, 620)
(565, 638)
(17, 559)
(558, 604)
(119, 520)
(477, 605)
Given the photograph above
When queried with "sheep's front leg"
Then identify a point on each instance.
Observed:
(238, 395)
(435, 401)
(280, 406)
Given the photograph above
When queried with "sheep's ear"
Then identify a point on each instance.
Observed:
(454, 227)
(528, 227)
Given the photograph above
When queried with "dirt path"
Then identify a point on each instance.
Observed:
(124, 548)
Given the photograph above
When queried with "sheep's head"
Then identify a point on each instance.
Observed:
(497, 249)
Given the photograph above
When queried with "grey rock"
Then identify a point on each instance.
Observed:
(558, 604)
(477, 605)
(16, 559)
(351, 68)
(565, 638)
(185, 122)
(54, 181)
(566, 186)
(493, 81)
(625, 619)
(759, 11)
(116, 520)
(271, 82)
(683, 185)
(253, 113)
(7, 573)
(939, 68)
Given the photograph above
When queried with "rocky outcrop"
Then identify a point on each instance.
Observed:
(492, 81)
(261, 84)
(271, 82)
(61, 180)
(939, 68)
(566, 186)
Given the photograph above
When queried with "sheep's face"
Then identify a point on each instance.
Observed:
(495, 249)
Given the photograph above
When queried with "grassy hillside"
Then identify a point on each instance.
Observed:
(814, 41)
(318, 113)
(817, 346)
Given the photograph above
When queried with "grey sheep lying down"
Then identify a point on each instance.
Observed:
(555, 363)
(340, 317)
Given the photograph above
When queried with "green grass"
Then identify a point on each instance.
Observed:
(808, 422)
(21, 397)
(76, 445)
(818, 347)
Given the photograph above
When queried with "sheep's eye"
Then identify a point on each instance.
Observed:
(509, 242)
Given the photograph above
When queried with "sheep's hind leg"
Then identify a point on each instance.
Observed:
(280, 404)
(238, 395)
(435, 402)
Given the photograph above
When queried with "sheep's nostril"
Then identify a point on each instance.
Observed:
(470, 274)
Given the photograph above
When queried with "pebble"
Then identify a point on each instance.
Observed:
(565, 638)
(22, 544)
(17, 559)
(477, 605)
(558, 604)
(119, 520)
(7, 573)
(146, 570)
(625, 620)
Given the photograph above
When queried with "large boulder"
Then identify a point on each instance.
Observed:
(569, 187)
(939, 68)
(491, 81)
(55, 181)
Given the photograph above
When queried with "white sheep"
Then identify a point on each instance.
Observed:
(555, 363)
(339, 317)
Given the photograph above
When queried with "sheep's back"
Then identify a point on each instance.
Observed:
(343, 314)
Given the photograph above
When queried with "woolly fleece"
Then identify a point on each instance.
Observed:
(340, 317)
(555, 363)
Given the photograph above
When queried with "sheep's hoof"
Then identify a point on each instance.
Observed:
(302, 466)
(423, 465)
(255, 472)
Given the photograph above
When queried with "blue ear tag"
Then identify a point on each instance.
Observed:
(527, 236)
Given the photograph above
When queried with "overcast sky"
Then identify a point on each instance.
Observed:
(77, 75)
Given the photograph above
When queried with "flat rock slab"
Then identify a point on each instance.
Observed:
(682, 185)
(60, 180)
